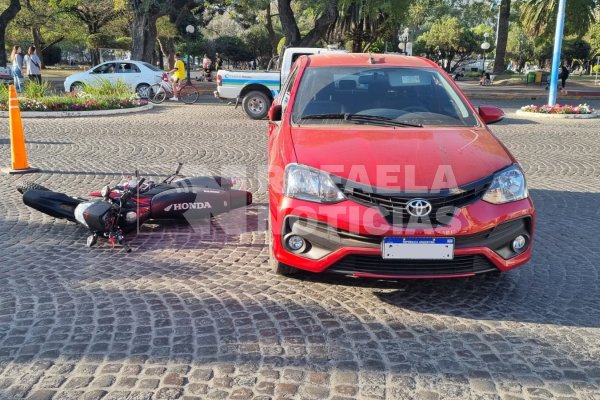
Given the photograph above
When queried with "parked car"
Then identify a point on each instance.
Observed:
(380, 167)
(138, 75)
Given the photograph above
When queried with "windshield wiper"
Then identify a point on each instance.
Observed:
(381, 119)
(325, 116)
(360, 118)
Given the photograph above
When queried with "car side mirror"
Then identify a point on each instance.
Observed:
(275, 113)
(491, 114)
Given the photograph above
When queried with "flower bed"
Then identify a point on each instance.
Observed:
(558, 109)
(72, 103)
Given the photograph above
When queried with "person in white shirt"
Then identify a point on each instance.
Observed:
(34, 65)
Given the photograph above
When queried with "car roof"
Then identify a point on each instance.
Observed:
(359, 59)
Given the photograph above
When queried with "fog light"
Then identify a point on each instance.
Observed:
(295, 243)
(519, 243)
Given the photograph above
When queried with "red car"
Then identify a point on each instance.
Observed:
(380, 167)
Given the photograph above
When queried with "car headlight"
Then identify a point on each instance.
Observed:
(508, 185)
(310, 184)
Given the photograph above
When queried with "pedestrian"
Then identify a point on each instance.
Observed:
(16, 56)
(218, 62)
(207, 67)
(564, 74)
(34, 65)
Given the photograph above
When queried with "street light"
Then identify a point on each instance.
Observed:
(403, 37)
(485, 46)
(189, 29)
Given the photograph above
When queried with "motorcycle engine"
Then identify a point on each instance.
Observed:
(95, 215)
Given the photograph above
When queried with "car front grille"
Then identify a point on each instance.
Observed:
(392, 206)
(375, 265)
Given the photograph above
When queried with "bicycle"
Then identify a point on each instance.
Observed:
(164, 90)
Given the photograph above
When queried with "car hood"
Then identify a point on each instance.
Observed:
(402, 158)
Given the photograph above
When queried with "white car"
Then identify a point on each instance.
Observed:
(138, 75)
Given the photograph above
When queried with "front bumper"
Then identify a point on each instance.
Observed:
(483, 237)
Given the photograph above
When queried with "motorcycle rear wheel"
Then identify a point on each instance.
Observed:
(23, 187)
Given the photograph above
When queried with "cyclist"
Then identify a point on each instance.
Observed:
(178, 72)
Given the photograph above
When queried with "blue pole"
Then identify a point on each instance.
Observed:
(560, 24)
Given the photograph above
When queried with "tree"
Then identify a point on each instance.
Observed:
(326, 17)
(539, 16)
(95, 14)
(499, 60)
(365, 22)
(448, 39)
(519, 47)
(42, 23)
(5, 17)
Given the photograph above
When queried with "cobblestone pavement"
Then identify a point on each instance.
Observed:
(197, 314)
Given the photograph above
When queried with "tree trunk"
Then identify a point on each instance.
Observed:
(289, 26)
(322, 24)
(5, 17)
(499, 63)
(143, 35)
(271, 30)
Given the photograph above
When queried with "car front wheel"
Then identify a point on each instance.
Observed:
(142, 90)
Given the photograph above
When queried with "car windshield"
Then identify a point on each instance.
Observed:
(408, 96)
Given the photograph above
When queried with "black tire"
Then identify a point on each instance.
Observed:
(276, 266)
(256, 104)
(157, 94)
(142, 90)
(188, 94)
(76, 87)
(23, 187)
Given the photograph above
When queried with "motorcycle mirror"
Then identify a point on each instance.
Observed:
(105, 192)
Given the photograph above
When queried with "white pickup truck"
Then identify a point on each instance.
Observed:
(257, 89)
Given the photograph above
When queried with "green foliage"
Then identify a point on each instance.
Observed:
(104, 87)
(520, 47)
(575, 48)
(539, 16)
(35, 90)
(449, 36)
(593, 37)
(233, 48)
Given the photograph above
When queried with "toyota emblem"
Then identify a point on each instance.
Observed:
(418, 207)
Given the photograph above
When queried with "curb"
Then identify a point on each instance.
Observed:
(95, 113)
(557, 116)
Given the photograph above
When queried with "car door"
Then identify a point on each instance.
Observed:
(104, 72)
(129, 73)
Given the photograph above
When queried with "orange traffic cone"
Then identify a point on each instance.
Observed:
(19, 163)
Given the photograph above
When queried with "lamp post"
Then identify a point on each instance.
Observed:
(189, 29)
(403, 37)
(485, 46)
(558, 36)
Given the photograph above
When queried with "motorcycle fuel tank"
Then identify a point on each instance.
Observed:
(197, 202)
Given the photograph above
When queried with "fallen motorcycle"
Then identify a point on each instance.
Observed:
(116, 211)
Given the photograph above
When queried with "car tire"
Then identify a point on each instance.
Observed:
(142, 90)
(276, 266)
(76, 87)
(256, 104)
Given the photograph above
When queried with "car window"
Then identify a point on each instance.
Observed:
(151, 67)
(125, 68)
(108, 68)
(287, 89)
(412, 95)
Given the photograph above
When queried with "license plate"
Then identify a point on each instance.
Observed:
(418, 248)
